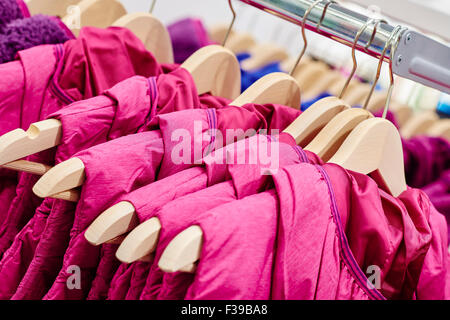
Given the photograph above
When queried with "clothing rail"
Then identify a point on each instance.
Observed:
(417, 57)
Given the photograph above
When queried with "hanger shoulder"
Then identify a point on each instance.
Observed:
(263, 54)
(356, 95)
(312, 120)
(140, 242)
(183, 251)
(96, 13)
(215, 70)
(310, 74)
(331, 137)
(113, 222)
(375, 146)
(218, 32)
(40, 136)
(277, 88)
(151, 31)
(240, 42)
(321, 85)
(65, 176)
(440, 129)
(419, 124)
(50, 7)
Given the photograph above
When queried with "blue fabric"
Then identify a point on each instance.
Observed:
(250, 77)
(305, 105)
(443, 108)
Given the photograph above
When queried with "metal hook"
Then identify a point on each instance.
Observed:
(380, 63)
(375, 27)
(391, 73)
(231, 25)
(307, 12)
(152, 6)
(325, 8)
(355, 63)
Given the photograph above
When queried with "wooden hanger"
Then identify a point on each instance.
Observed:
(440, 129)
(322, 85)
(263, 54)
(375, 147)
(419, 124)
(95, 13)
(402, 112)
(331, 137)
(238, 42)
(151, 32)
(214, 69)
(277, 88)
(50, 7)
(184, 250)
(310, 74)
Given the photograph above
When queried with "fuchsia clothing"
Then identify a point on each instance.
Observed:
(330, 229)
(249, 117)
(109, 116)
(426, 158)
(244, 178)
(46, 78)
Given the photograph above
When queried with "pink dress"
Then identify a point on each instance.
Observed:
(109, 116)
(46, 78)
(79, 249)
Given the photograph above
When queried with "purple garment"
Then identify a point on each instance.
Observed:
(187, 35)
(426, 158)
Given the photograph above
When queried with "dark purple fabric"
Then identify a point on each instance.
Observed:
(188, 35)
(9, 10)
(426, 158)
(22, 34)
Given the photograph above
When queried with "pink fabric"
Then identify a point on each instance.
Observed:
(167, 123)
(114, 114)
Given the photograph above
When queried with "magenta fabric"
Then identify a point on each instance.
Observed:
(53, 76)
(186, 182)
(167, 123)
(114, 114)
(244, 179)
(426, 158)
(439, 194)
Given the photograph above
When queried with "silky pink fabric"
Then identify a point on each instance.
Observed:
(167, 123)
(188, 181)
(53, 76)
(114, 114)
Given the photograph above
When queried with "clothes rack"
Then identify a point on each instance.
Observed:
(417, 56)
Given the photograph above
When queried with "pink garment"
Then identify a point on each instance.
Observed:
(46, 78)
(196, 123)
(245, 179)
(109, 116)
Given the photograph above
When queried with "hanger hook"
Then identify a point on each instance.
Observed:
(374, 32)
(231, 24)
(325, 8)
(307, 12)
(380, 63)
(152, 6)
(355, 63)
(391, 73)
